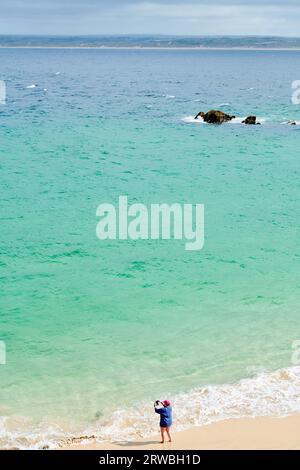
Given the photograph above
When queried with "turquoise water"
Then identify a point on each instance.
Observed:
(95, 326)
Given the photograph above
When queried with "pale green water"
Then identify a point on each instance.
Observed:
(91, 326)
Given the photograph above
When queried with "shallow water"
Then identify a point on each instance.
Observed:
(92, 327)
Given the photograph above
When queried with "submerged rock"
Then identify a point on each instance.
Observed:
(251, 120)
(214, 116)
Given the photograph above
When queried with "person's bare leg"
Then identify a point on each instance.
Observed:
(162, 431)
(169, 435)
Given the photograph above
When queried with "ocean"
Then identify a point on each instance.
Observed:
(95, 331)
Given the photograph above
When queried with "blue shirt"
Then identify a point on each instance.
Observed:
(165, 416)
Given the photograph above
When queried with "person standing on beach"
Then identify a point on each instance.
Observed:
(164, 409)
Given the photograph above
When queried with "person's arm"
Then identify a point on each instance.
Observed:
(157, 410)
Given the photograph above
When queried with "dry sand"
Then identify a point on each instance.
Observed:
(253, 433)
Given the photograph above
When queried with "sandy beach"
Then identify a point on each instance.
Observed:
(234, 434)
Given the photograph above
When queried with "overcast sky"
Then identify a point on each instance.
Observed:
(183, 17)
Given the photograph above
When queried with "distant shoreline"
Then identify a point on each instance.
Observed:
(152, 42)
(159, 48)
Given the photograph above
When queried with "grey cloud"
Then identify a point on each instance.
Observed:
(270, 17)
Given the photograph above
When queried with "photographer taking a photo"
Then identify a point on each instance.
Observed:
(164, 409)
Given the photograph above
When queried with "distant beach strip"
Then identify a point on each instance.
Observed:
(154, 42)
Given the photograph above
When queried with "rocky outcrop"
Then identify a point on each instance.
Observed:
(250, 120)
(201, 114)
(214, 116)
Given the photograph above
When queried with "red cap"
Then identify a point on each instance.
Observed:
(166, 403)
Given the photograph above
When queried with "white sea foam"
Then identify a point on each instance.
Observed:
(266, 394)
(191, 119)
(238, 120)
(297, 123)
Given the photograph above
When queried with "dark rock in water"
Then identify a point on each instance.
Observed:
(201, 114)
(292, 123)
(214, 116)
(250, 120)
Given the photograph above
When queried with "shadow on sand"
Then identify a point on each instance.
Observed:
(135, 444)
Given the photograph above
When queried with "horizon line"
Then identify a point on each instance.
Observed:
(149, 35)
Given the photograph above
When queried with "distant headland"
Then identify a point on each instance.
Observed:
(154, 42)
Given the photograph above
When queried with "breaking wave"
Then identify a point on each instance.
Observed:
(267, 394)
